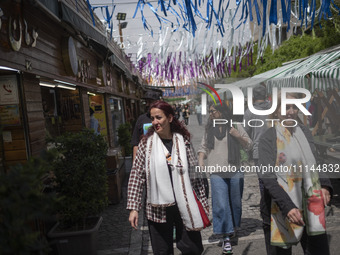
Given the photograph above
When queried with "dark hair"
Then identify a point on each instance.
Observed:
(223, 109)
(175, 126)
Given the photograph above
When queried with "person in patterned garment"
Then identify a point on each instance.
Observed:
(294, 195)
(165, 165)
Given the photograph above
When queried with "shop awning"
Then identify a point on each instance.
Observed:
(74, 19)
(327, 76)
(320, 71)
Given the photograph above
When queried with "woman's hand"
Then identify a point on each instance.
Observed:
(326, 196)
(234, 132)
(294, 216)
(133, 219)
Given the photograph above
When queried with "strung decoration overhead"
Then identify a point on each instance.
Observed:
(218, 56)
(188, 10)
(105, 14)
(201, 40)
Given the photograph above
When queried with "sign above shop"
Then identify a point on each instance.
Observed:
(69, 55)
(101, 72)
(84, 70)
(15, 32)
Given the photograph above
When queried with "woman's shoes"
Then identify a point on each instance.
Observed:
(227, 249)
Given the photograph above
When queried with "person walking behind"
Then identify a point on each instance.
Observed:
(198, 109)
(293, 208)
(221, 146)
(94, 123)
(178, 111)
(185, 114)
(165, 165)
(255, 131)
(143, 122)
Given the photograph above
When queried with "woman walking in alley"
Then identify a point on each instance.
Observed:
(164, 164)
(221, 145)
(186, 114)
(293, 203)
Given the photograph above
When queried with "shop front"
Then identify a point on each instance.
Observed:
(50, 81)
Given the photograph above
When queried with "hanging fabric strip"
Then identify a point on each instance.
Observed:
(273, 12)
(284, 11)
(140, 5)
(280, 30)
(289, 11)
(313, 9)
(192, 23)
(264, 2)
(250, 10)
(177, 16)
(161, 3)
(91, 12)
(160, 19)
(244, 14)
(258, 15)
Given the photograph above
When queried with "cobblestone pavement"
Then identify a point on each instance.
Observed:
(114, 235)
(117, 237)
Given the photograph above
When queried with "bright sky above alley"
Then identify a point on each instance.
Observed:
(200, 38)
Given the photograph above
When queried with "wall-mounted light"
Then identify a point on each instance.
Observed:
(8, 69)
(91, 94)
(46, 84)
(65, 87)
(66, 83)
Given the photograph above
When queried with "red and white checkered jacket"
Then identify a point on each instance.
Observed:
(138, 178)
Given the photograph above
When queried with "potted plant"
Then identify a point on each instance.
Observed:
(115, 174)
(124, 139)
(24, 205)
(81, 185)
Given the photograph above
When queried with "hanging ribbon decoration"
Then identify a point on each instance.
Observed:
(106, 15)
(218, 54)
(91, 12)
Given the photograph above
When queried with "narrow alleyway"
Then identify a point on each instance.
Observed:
(117, 237)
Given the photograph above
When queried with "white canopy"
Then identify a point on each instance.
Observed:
(319, 71)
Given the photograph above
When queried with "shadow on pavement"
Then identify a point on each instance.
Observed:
(248, 226)
(247, 249)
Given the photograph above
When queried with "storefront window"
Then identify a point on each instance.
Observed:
(61, 109)
(117, 116)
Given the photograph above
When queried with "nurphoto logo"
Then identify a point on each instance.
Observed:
(238, 99)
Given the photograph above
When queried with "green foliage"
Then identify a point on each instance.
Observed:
(324, 35)
(23, 203)
(124, 138)
(80, 175)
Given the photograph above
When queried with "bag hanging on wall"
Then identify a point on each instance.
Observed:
(205, 219)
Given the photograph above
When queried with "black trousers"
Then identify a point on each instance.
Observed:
(161, 235)
(311, 245)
